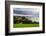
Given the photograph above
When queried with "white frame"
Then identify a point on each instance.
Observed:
(25, 29)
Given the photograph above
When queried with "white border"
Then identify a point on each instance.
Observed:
(25, 29)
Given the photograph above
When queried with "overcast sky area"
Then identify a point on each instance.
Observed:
(26, 11)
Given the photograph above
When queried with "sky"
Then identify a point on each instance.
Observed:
(26, 11)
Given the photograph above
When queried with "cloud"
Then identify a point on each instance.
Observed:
(26, 11)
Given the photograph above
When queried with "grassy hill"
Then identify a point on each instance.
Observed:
(25, 25)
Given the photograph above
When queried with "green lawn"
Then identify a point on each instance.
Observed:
(25, 25)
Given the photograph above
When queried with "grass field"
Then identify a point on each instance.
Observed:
(25, 25)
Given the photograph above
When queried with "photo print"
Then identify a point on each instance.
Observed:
(25, 17)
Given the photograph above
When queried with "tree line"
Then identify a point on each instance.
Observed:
(23, 20)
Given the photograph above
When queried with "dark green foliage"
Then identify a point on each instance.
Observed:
(22, 20)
